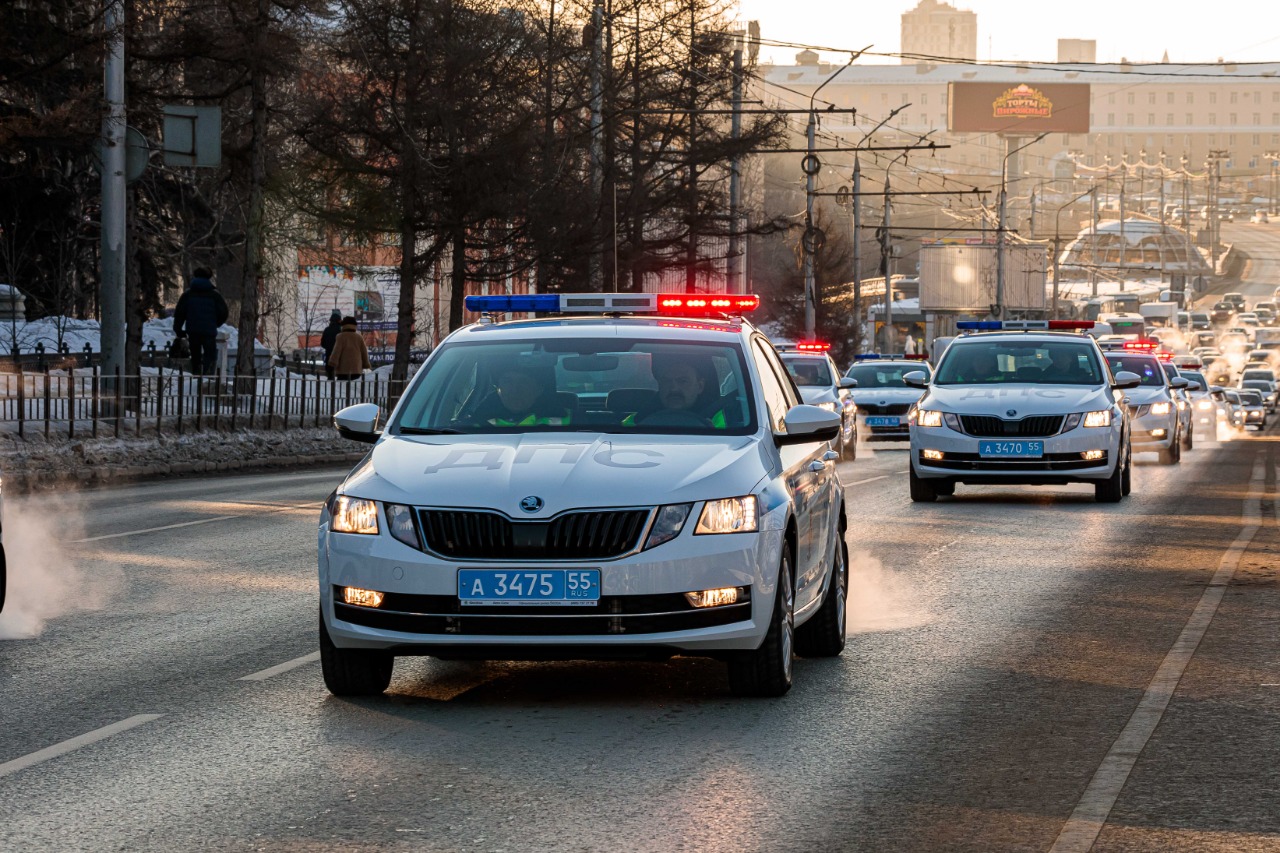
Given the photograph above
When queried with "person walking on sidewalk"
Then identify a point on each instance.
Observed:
(350, 356)
(200, 312)
(329, 338)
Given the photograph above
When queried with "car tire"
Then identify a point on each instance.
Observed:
(353, 672)
(849, 449)
(1126, 479)
(4, 571)
(767, 671)
(944, 488)
(1173, 455)
(1189, 440)
(823, 635)
(922, 490)
(1110, 490)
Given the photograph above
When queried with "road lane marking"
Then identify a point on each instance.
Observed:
(868, 480)
(281, 667)
(58, 749)
(1090, 815)
(154, 529)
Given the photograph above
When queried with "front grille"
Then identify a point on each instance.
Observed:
(1048, 463)
(618, 614)
(582, 535)
(989, 427)
(888, 409)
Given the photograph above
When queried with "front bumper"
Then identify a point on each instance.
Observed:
(642, 610)
(1155, 432)
(901, 432)
(1063, 460)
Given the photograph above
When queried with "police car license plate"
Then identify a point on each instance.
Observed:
(1011, 449)
(526, 587)
(875, 421)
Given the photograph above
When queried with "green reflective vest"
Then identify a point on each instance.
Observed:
(532, 420)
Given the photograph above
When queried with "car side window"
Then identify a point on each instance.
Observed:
(775, 400)
(781, 373)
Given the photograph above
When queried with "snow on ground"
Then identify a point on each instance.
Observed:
(75, 333)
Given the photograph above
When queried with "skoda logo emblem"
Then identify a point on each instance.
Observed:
(1011, 412)
(533, 503)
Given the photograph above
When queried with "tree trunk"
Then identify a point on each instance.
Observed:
(253, 261)
(458, 277)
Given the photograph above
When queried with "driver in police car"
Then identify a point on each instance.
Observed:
(527, 397)
(683, 386)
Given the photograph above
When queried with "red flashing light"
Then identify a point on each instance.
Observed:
(1142, 345)
(1071, 324)
(680, 303)
(1164, 355)
(915, 356)
(812, 346)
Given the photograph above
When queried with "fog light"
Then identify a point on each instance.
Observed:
(931, 454)
(1093, 455)
(714, 597)
(362, 597)
(1157, 433)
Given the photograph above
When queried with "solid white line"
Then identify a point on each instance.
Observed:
(153, 529)
(868, 480)
(282, 667)
(1086, 822)
(74, 743)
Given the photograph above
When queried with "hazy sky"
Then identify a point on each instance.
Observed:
(1140, 30)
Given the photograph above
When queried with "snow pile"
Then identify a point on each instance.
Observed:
(75, 333)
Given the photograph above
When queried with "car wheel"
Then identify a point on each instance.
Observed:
(823, 635)
(849, 449)
(4, 571)
(944, 488)
(767, 670)
(1110, 490)
(922, 490)
(1189, 440)
(353, 672)
(1126, 479)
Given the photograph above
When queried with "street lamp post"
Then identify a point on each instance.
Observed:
(1057, 240)
(1273, 156)
(1000, 229)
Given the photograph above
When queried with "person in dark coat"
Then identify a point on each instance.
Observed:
(200, 312)
(329, 338)
(350, 355)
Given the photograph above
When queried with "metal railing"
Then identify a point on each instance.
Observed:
(86, 403)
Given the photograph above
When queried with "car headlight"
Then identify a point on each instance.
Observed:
(667, 525)
(354, 515)
(730, 515)
(1160, 408)
(1073, 421)
(1204, 405)
(1098, 419)
(929, 418)
(400, 522)
(830, 407)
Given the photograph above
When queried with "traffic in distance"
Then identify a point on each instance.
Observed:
(638, 476)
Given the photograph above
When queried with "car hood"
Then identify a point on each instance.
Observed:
(1139, 396)
(1017, 401)
(564, 470)
(885, 396)
(814, 394)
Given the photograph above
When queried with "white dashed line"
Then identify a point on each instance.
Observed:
(74, 743)
(282, 667)
(1090, 815)
(153, 529)
(868, 480)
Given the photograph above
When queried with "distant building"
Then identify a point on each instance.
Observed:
(1077, 50)
(939, 30)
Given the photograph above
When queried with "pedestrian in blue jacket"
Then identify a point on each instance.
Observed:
(200, 312)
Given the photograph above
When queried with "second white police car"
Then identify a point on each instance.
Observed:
(615, 481)
(1022, 402)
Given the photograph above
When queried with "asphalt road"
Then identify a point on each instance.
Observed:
(1003, 640)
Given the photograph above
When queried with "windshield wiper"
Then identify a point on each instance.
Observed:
(408, 430)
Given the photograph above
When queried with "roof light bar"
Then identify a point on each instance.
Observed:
(698, 303)
(1022, 325)
(608, 303)
(1142, 345)
(980, 325)
(514, 302)
(812, 346)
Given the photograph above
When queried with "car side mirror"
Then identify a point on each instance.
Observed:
(1194, 386)
(846, 382)
(1179, 382)
(916, 379)
(806, 424)
(359, 422)
(1124, 379)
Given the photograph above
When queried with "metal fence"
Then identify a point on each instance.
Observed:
(84, 402)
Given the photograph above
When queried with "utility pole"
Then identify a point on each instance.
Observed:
(998, 308)
(1273, 156)
(595, 263)
(808, 244)
(1093, 244)
(886, 251)
(856, 207)
(735, 270)
(691, 249)
(1124, 260)
(1216, 156)
(1163, 240)
(114, 125)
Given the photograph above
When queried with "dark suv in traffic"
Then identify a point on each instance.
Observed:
(1222, 312)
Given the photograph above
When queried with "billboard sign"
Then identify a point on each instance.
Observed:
(1018, 108)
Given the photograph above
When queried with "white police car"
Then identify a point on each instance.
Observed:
(612, 484)
(882, 397)
(820, 384)
(1153, 405)
(1020, 402)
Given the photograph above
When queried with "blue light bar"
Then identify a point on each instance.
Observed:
(514, 302)
(980, 325)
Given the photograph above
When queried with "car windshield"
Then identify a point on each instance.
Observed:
(1256, 385)
(1250, 397)
(884, 375)
(1146, 368)
(1195, 376)
(1170, 370)
(807, 370)
(1264, 375)
(1010, 361)
(581, 384)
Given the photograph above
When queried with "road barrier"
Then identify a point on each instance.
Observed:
(86, 403)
